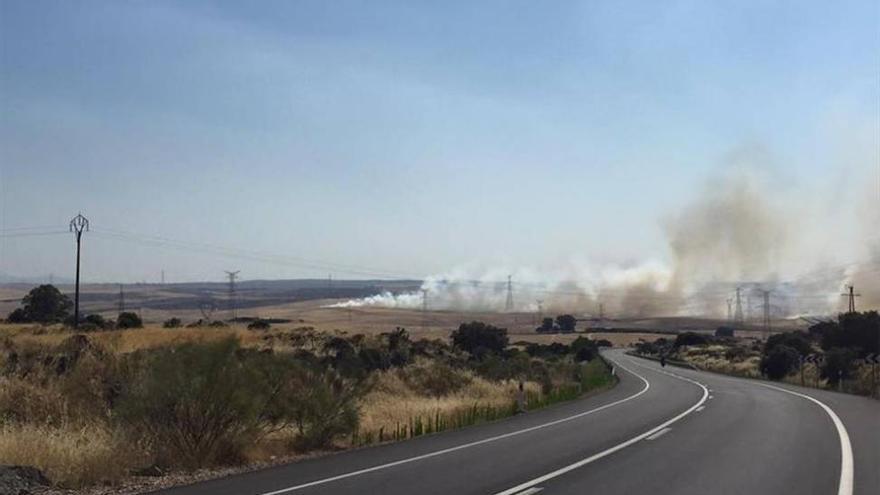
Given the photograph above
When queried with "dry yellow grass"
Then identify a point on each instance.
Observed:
(392, 402)
(124, 341)
(71, 457)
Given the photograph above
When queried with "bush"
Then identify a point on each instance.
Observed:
(204, 404)
(436, 379)
(127, 319)
(780, 361)
(259, 325)
(96, 320)
(690, 338)
(839, 365)
(217, 324)
(478, 338)
(195, 404)
(172, 323)
(799, 341)
(584, 349)
(326, 408)
(724, 332)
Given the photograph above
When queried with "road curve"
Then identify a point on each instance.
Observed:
(660, 431)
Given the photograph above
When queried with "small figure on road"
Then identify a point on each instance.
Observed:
(663, 361)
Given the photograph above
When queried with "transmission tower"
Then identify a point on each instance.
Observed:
(77, 226)
(601, 311)
(766, 294)
(508, 305)
(163, 277)
(232, 276)
(121, 299)
(738, 314)
(729, 309)
(852, 298)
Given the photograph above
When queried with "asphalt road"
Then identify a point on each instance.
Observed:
(661, 430)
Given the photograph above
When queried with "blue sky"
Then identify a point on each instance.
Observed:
(409, 137)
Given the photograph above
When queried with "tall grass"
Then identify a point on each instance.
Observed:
(70, 456)
(395, 411)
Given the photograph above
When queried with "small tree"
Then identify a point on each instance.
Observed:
(45, 304)
(127, 319)
(478, 338)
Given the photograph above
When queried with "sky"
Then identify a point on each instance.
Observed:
(380, 138)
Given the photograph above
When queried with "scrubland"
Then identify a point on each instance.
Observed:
(106, 407)
(834, 354)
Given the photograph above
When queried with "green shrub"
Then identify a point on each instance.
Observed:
(326, 408)
(172, 323)
(478, 338)
(839, 365)
(799, 341)
(195, 404)
(96, 320)
(259, 325)
(437, 378)
(781, 361)
(690, 338)
(202, 404)
(127, 319)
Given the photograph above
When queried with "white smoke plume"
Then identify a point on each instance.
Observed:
(740, 230)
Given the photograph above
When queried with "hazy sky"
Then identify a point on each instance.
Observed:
(407, 137)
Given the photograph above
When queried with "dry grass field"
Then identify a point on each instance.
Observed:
(77, 445)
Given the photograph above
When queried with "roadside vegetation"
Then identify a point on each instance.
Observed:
(828, 355)
(116, 400)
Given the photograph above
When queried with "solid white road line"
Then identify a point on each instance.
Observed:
(846, 483)
(845, 486)
(659, 434)
(466, 445)
(531, 491)
(620, 446)
(701, 408)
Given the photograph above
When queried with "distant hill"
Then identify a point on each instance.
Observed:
(6, 278)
